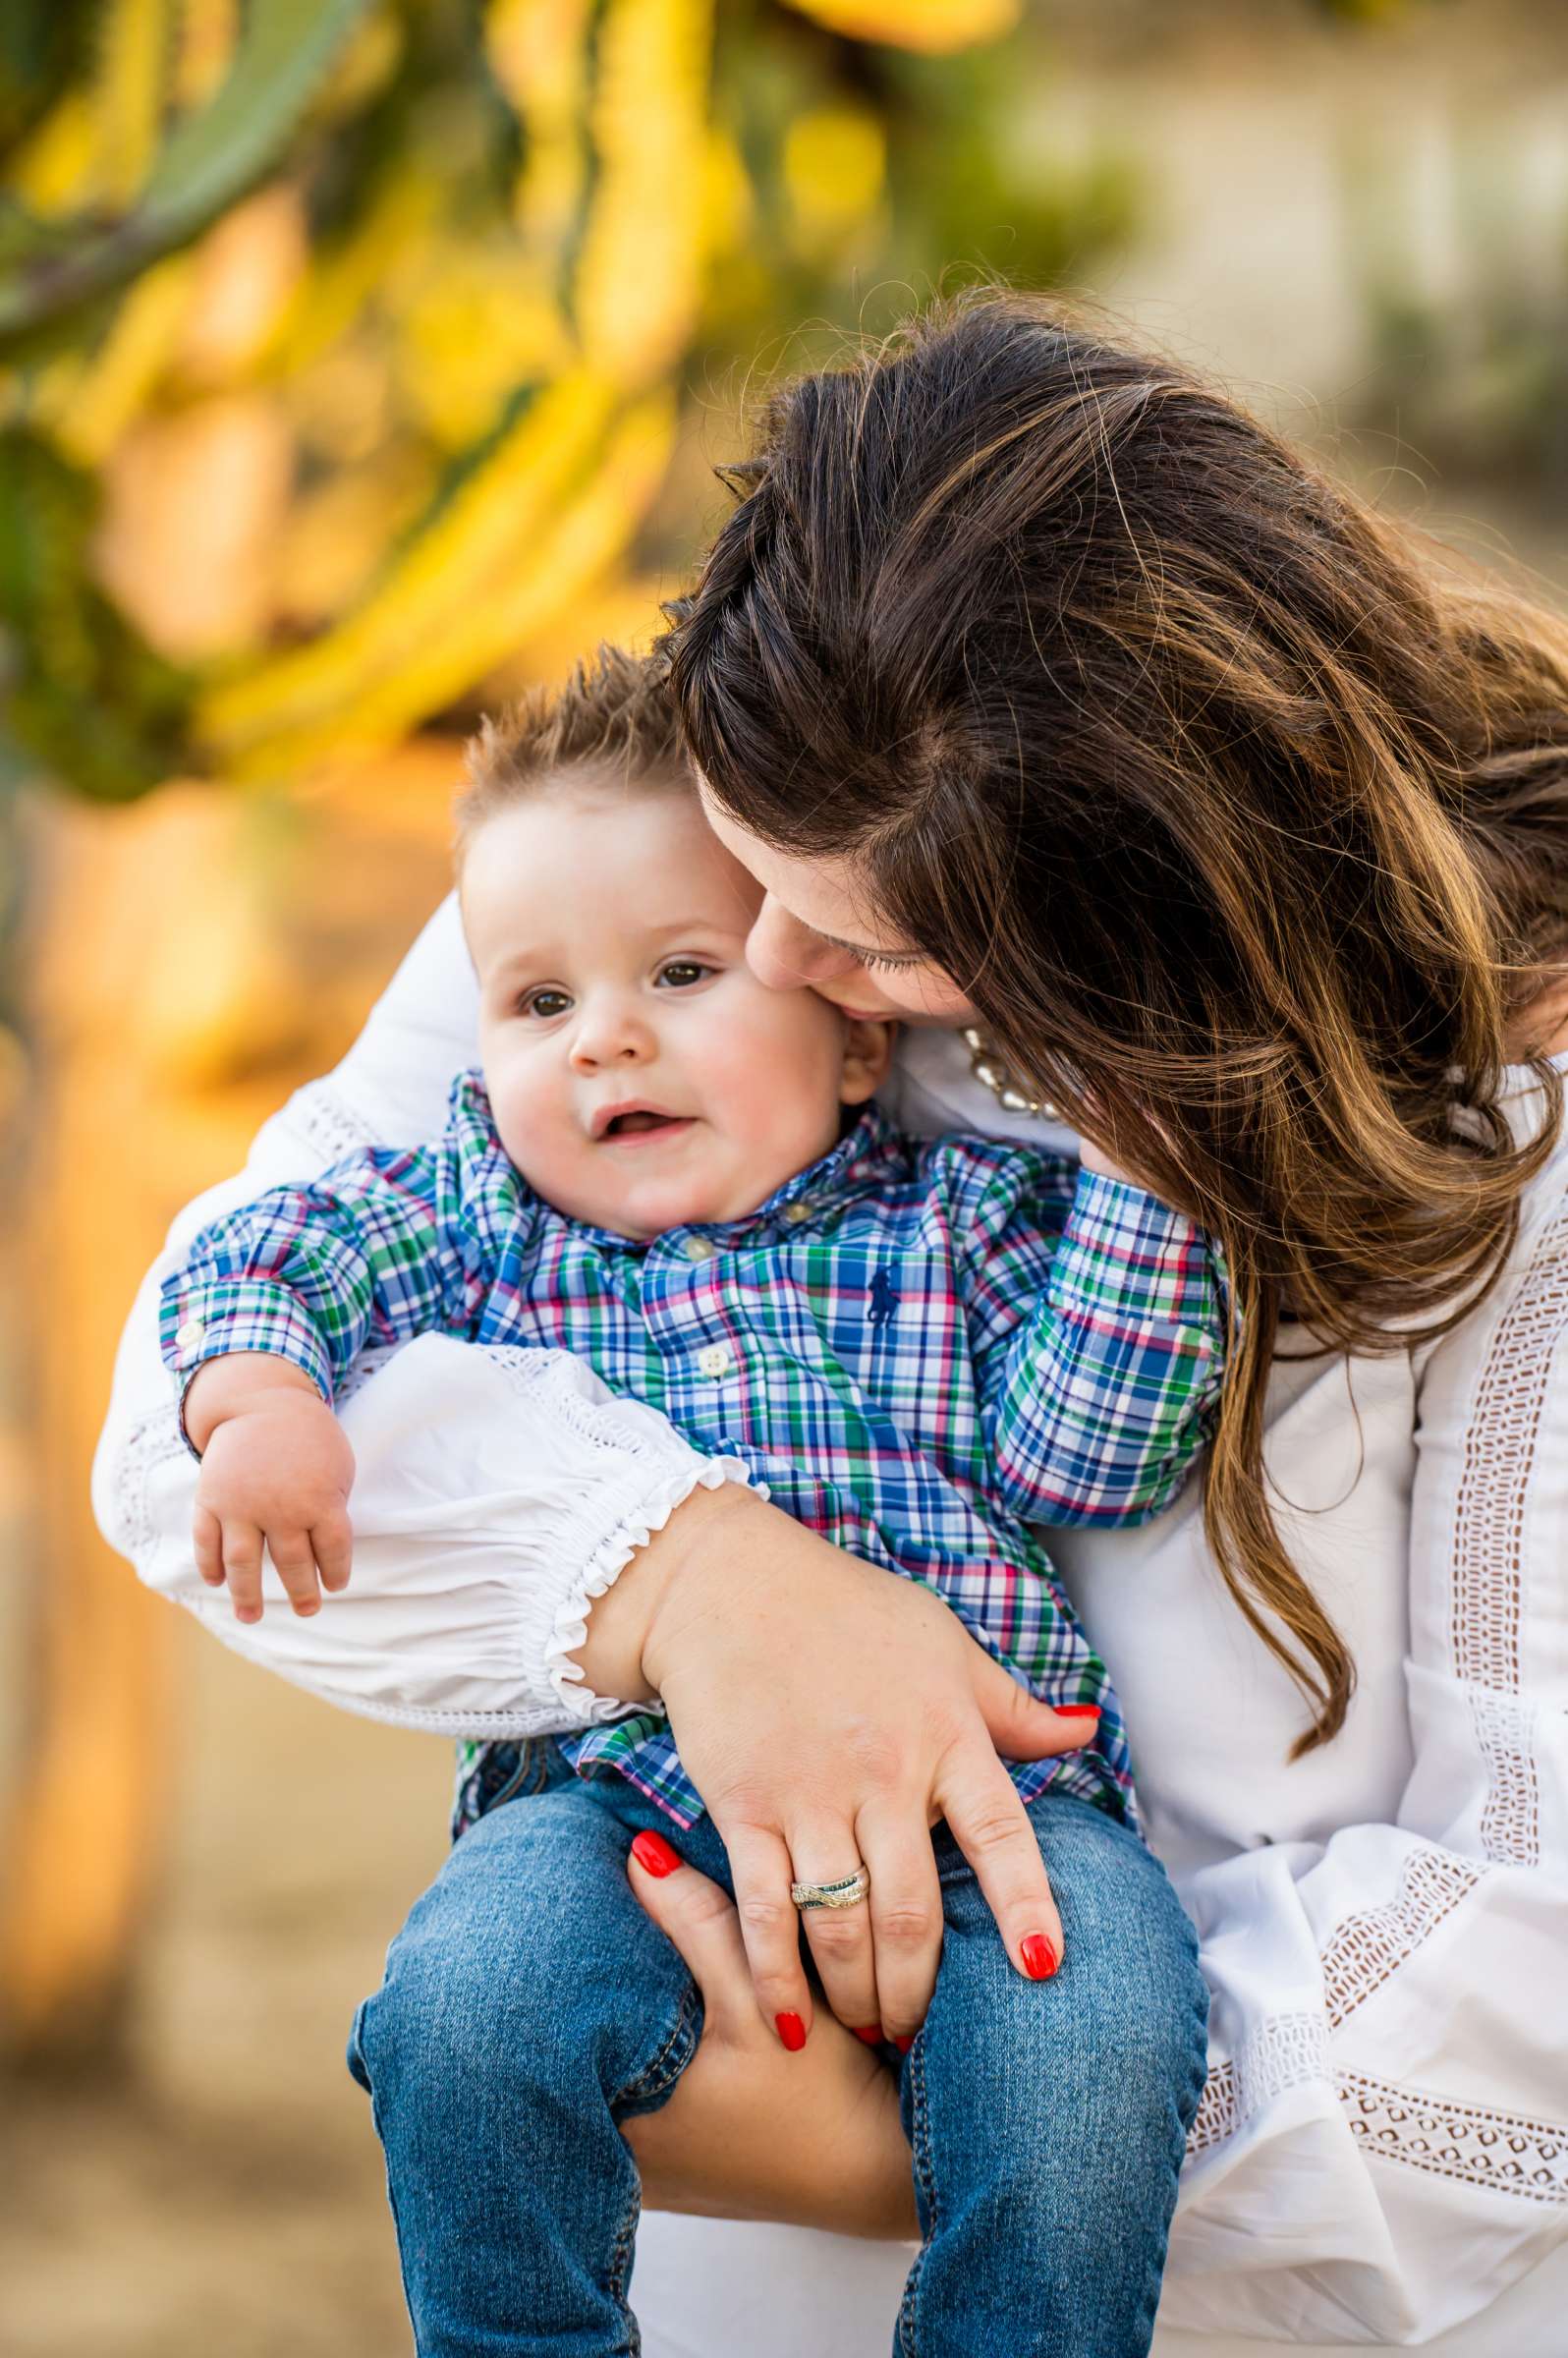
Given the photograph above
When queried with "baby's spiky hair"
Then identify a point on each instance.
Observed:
(614, 718)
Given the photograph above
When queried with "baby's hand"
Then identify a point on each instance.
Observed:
(276, 1471)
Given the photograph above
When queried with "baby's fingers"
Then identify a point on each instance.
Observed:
(207, 1541)
(333, 1541)
(241, 1562)
(294, 1566)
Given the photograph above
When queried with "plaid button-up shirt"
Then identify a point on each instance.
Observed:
(920, 1348)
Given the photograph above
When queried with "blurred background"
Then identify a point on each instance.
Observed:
(360, 361)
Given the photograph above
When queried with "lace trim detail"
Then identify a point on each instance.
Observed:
(1369, 1947)
(1489, 1543)
(606, 1427)
(1288, 2051)
(323, 1115)
(1518, 2157)
(149, 1444)
(604, 1568)
(1513, 2156)
(528, 1369)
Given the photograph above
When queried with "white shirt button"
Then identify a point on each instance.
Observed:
(698, 1248)
(716, 1359)
(190, 1336)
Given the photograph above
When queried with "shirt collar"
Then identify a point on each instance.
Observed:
(861, 1163)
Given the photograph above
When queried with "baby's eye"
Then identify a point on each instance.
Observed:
(679, 974)
(545, 1003)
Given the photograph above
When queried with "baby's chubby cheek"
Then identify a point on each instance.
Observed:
(534, 1129)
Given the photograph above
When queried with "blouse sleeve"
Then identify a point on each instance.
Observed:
(463, 1622)
(1382, 2147)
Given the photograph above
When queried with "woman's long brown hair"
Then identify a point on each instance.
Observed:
(1241, 820)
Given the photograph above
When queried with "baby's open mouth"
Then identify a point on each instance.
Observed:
(639, 1122)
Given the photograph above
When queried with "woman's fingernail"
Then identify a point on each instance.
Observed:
(872, 2033)
(791, 2031)
(1039, 1958)
(1076, 1711)
(905, 2044)
(655, 1855)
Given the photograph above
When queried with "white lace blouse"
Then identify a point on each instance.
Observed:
(1382, 2155)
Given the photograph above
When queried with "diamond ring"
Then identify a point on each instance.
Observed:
(847, 1892)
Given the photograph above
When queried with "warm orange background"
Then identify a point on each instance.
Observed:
(1364, 226)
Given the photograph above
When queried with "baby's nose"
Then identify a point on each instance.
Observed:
(609, 1035)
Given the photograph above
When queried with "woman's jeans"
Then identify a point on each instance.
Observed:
(530, 2005)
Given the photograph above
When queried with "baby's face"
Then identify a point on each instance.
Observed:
(640, 1074)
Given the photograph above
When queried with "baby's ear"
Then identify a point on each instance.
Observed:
(868, 1053)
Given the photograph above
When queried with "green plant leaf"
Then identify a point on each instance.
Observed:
(209, 160)
(85, 703)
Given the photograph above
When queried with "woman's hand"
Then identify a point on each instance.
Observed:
(830, 1713)
(750, 2131)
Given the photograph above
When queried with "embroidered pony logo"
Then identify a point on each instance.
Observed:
(884, 1302)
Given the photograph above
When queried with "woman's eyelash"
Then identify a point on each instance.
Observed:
(874, 957)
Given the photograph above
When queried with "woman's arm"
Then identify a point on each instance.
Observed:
(1383, 2148)
(825, 1710)
(451, 1625)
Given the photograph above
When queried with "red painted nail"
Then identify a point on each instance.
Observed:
(904, 2045)
(872, 2033)
(1039, 1958)
(1076, 1711)
(655, 1855)
(791, 2031)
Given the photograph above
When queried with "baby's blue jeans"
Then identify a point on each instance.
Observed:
(530, 2005)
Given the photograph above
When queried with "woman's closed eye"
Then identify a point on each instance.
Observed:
(872, 959)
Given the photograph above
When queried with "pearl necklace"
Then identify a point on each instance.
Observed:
(992, 1074)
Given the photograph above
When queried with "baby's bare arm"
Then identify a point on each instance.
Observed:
(276, 1472)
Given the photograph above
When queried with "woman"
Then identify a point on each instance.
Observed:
(1045, 692)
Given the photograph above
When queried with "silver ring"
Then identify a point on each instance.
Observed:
(847, 1892)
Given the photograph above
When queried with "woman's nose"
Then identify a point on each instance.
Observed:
(783, 953)
(610, 1031)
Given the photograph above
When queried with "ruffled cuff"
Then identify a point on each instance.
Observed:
(603, 1569)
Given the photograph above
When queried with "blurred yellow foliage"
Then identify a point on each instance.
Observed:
(478, 324)
(134, 45)
(391, 393)
(640, 273)
(249, 269)
(937, 25)
(50, 171)
(212, 482)
(209, 31)
(835, 159)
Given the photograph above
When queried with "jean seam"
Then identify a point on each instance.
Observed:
(925, 2182)
(391, 2194)
(660, 2074)
(620, 2268)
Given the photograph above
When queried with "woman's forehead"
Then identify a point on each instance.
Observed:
(828, 893)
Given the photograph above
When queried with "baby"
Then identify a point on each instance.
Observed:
(921, 1349)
